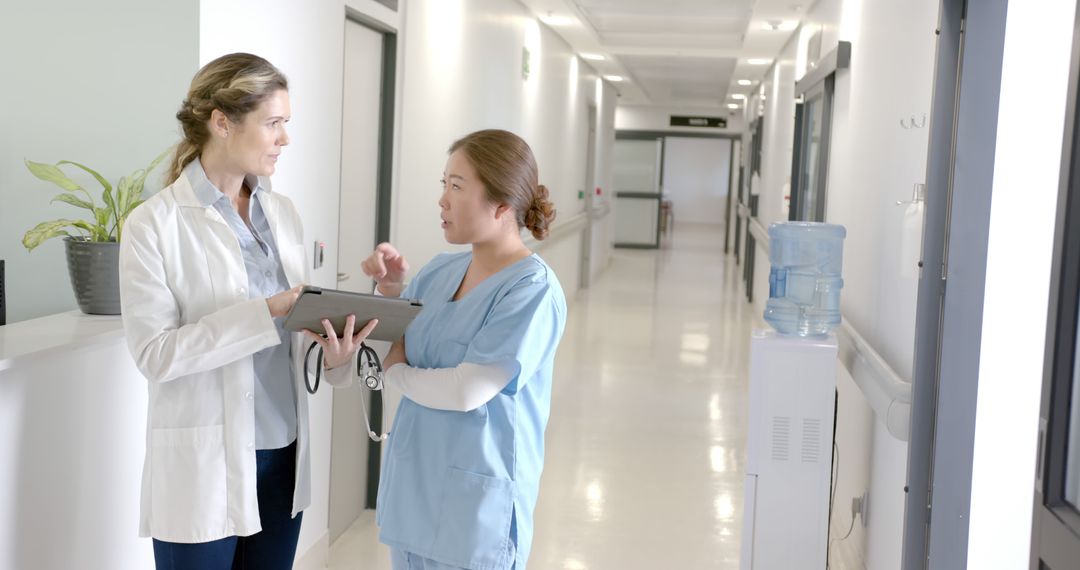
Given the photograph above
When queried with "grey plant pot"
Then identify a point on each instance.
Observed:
(95, 275)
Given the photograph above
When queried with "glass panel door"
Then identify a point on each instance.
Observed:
(637, 172)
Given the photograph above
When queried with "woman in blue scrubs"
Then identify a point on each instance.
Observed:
(462, 470)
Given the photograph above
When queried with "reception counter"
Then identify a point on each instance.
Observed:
(72, 441)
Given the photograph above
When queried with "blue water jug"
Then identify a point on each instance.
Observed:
(805, 281)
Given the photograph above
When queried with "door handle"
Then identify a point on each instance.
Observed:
(342, 277)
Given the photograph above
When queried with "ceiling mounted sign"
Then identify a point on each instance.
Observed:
(709, 122)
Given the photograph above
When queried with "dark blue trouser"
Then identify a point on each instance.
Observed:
(272, 548)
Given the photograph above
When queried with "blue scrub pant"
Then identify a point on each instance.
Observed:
(273, 548)
(405, 560)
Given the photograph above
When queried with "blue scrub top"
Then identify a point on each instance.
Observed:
(460, 487)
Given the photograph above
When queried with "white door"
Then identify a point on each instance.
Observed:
(356, 240)
(638, 191)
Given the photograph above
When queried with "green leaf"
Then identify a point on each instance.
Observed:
(46, 230)
(73, 200)
(50, 173)
(101, 179)
(106, 196)
(141, 175)
(101, 231)
(123, 197)
(84, 225)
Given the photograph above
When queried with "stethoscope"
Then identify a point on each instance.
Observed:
(368, 368)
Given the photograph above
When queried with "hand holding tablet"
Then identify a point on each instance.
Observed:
(315, 304)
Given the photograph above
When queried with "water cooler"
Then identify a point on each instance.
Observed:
(792, 402)
(789, 451)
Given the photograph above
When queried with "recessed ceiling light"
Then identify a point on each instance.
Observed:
(732, 105)
(745, 82)
(614, 78)
(780, 25)
(593, 57)
(758, 61)
(738, 96)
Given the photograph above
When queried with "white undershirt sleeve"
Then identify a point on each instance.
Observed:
(460, 389)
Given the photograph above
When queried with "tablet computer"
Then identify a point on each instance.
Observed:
(316, 304)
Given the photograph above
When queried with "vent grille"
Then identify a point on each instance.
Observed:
(781, 438)
(811, 441)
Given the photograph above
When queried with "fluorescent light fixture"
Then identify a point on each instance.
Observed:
(732, 105)
(592, 56)
(738, 96)
(745, 82)
(780, 25)
(614, 78)
(758, 61)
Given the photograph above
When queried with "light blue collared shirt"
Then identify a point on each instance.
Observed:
(275, 393)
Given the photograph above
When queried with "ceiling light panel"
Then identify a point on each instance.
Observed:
(671, 23)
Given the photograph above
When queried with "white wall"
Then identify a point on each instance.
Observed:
(873, 162)
(462, 72)
(62, 101)
(696, 176)
(1038, 38)
(603, 230)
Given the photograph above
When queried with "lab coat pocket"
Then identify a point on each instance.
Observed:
(188, 493)
(474, 522)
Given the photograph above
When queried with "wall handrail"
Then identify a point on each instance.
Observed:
(888, 394)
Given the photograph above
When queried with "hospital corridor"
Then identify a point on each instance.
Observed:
(540, 285)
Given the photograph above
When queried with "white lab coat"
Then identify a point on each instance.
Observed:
(192, 331)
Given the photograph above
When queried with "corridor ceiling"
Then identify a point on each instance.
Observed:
(676, 53)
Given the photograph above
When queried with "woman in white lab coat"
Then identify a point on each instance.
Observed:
(208, 268)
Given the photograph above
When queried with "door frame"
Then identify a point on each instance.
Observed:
(645, 135)
(1055, 532)
(384, 202)
(952, 282)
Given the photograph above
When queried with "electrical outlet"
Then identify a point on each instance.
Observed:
(861, 506)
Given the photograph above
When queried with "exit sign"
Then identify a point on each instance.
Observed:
(713, 122)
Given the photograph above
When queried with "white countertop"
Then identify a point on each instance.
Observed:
(55, 334)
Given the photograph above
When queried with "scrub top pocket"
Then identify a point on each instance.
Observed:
(474, 522)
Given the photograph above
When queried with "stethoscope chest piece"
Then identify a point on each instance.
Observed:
(368, 368)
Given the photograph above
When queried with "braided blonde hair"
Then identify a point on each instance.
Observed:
(234, 84)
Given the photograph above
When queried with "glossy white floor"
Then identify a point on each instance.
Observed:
(646, 444)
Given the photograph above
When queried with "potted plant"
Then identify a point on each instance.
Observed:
(92, 244)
